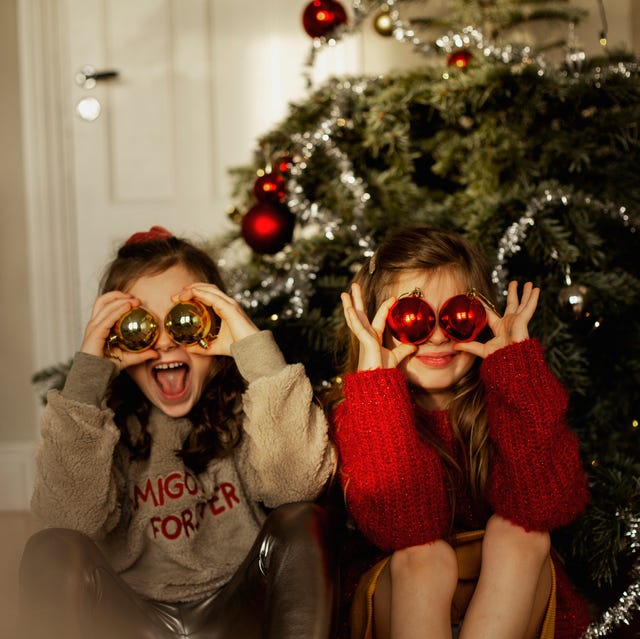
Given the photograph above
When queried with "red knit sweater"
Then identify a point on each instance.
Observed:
(395, 483)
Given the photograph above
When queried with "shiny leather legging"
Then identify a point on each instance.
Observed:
(284, 589)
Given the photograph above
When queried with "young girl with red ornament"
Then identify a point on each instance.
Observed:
(455, 459)
(177, 469)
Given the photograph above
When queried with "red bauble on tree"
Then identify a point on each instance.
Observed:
(270, 187)
(267, 228)
(284, 164)
(459, 59)
(322, 16)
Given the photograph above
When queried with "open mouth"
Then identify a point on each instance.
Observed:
(171, 378)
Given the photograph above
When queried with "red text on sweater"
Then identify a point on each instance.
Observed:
(175, 486)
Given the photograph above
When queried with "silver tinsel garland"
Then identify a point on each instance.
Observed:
(628, 604)
(511, 242)
(470, 37)
(287, 274)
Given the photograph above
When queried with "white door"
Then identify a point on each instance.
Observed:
(189, 85)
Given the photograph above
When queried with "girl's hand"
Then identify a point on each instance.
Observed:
(512, 327)
(235, 324)
(107, 310)
(373, 354)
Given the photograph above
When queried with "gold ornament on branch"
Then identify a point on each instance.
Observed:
(382, 22)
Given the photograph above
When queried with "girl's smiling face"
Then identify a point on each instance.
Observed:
(435, 366)
(175, 379)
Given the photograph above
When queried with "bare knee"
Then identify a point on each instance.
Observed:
(516, 543)
(432, 564)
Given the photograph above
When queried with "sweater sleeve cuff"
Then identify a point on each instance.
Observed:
(258, 356)
(88, 379)
(517, 369)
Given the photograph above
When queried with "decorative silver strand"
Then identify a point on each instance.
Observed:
(628, 604)
(284, 274)
(511, 242)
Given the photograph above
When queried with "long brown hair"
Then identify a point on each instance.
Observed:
(424, 248)
(216, 416)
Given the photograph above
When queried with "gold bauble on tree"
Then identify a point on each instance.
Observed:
(383, 23)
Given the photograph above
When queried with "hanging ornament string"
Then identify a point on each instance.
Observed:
(603, 20)
(511, 242)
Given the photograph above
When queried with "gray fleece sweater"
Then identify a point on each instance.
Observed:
(171, 535)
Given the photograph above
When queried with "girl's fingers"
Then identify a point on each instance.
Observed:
(531, 303)
(235, 323)
(109, 300)
(107, 309)
(356, 294)
(512, 298)
(380, 319)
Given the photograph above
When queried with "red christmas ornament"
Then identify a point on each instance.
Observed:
(266, 228)
(463, 317)
(270, 187)
(284, 164)
(411, 320)
(459, 59)
(322, 16)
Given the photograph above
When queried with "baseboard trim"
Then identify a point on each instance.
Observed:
(17, 470)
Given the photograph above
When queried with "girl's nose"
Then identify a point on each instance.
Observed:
(438, 336)
(164, 341)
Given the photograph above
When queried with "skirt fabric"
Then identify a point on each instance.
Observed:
(468, 548)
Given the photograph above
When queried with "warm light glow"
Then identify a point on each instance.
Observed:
(266, 225)
(409, 318)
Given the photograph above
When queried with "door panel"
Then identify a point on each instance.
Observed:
(148, 158)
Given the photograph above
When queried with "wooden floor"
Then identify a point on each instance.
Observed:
(15, 528)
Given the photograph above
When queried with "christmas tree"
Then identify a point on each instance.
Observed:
(532, 158)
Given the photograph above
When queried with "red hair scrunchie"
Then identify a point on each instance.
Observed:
(154, 233)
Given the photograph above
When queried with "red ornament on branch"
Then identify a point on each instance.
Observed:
(270, 187)
(284, 164)
(459, 59)
(320, 17)
(267, 227)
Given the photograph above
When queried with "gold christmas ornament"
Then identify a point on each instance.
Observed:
(383, 23)
(187, 323)
(135, 331)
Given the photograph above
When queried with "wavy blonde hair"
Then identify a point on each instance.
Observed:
(424, 248)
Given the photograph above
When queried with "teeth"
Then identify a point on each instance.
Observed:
(164, 367)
